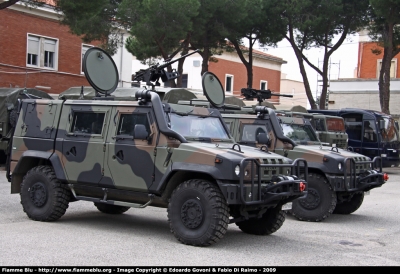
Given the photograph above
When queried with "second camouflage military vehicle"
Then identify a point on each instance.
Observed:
(123, 154)
(8, 113)
(329, 129)
(337, 179)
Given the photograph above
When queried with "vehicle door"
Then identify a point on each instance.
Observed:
(84, 142)
(130, 160)
(370, 138)
(354, 129)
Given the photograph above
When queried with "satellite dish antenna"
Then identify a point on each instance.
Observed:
(213, 89)
(100, 71)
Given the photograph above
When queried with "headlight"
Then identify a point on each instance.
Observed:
(237, 170)
(340, 166)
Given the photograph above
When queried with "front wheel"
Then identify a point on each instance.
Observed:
(350, 204)
(43, 197)
(269, 223)
(197, 213)
(319, 202)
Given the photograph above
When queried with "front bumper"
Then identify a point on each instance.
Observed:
(251, 190)
(363, 181)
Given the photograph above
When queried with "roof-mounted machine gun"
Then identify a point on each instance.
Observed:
(261, 95)
(152, 74)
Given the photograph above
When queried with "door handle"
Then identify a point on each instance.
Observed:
(71, 151)
(119, 155)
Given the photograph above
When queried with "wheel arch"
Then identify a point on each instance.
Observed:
(179, 176)
(29, 160)
(321, 173)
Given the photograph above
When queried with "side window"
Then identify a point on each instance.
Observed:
(319, 125)
(369, 134)
(353, 123)
(87, 123)
(228, 125)
(128, 121)
(250, 132)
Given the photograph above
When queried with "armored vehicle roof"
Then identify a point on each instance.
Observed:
(9, 97)
(89, 93)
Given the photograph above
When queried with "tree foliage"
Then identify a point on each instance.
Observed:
(314, 23)
(158, 28)
(93, 21)
(260, 23)
(385, 30)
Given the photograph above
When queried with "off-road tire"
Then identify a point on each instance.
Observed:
(319, 202)
(3, 157)
(13, 117)
(43, 197)
(350, 205)
(198, 214)
(111, 209)
(269, 223)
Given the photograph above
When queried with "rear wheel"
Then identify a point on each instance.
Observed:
(269, 223)
(43, 197)
(197, 213)
(111, 209)
(319, 202)
(349, 204)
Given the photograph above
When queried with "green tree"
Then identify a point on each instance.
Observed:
(259, 23)
(93, 21)
(158, 28)
(385, 30)
(209, 28)
(314, 23)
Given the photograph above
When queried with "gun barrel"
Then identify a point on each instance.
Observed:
(283, 95)
(177, 59)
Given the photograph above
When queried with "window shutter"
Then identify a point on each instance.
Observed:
(33, 45)
(50, 45)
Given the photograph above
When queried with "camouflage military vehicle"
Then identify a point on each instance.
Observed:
(8, 115)
(123, 154)
(330, 129)
(337, 179)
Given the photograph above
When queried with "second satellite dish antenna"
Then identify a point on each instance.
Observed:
(100, 71)
(213, 89)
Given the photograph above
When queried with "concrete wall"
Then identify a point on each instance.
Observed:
(362, 93)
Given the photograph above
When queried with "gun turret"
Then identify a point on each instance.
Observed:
(155, 72)
(261, 95)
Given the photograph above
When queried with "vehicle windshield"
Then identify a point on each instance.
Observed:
(299, 133)
(335, 124)
(389, 133)
(198, 126)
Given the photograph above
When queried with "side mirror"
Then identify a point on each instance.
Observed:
(262, 139)
(381, 124)
(140, 132)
